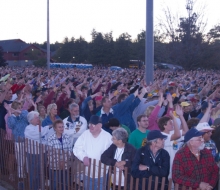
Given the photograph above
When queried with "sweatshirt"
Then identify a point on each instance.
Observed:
(91, 147)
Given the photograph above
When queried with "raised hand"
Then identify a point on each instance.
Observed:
(171, 114)
(179, 110)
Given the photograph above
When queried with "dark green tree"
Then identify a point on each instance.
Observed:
(100, 49)
(185, 46)
(2, 60)
(42, 62)
(122, 50)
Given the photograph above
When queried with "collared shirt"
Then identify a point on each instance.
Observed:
(190, 172)
(210, 145)
(56, 148)
(103, 112)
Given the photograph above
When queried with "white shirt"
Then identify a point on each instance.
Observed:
(32, 133)
(89, 146)
(118, 155)
(169, 147)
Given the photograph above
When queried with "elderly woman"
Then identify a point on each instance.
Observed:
(120, 154)
(60, 147)
(17, 122)
(51, 115)
(36, 134)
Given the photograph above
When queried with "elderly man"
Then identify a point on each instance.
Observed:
(91, 144)
(209, 144)
(193, 165)
(32, 132)
(74, 125)
(152, 159)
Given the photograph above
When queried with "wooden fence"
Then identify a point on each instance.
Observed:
(28, 165)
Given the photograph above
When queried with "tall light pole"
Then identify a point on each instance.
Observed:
(149, 43)
(48, 36)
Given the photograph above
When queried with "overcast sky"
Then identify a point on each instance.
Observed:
(26, 19)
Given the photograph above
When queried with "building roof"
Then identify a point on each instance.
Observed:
(15, 45)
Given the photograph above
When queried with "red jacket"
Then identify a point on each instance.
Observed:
(190, 172)
(16, 87)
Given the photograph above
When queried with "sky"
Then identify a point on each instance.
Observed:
(26, 19)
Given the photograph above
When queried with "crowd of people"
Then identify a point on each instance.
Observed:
(169, 128)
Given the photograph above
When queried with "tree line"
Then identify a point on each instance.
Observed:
(190, 51)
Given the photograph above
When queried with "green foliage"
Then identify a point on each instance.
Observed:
(2, 60)
(42, 62)
(190, 48)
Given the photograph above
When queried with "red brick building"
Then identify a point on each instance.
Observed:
(17, 52)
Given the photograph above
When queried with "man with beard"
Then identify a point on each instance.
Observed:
(193, 165)
(74, 125)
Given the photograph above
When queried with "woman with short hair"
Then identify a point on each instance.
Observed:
(59, 148)
(51, 115)
(120, 154)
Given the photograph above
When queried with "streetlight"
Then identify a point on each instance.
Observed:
(48, 36)
(149, 43)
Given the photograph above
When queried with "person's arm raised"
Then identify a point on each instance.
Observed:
(176, 135)
(179, 112)
(206, 116)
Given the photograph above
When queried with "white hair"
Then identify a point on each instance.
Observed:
(73, 105)
(31, 115)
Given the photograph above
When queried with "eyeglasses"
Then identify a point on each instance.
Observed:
(200, 139)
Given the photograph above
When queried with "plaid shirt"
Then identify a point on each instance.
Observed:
(58, 151)
(190, 172)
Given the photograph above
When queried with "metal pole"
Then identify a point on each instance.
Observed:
(149, 43)
(48, 36)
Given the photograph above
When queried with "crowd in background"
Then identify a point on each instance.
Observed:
(169, 128)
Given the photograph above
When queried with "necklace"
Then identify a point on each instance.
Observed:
(118, 154)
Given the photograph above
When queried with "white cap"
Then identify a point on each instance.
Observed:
(204, 126)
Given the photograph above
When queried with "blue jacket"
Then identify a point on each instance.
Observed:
(160, 167)
(85, 111)
(18, 124)
(124, 110)
(47, 121)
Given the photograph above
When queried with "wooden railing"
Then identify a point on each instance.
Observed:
(28, 165)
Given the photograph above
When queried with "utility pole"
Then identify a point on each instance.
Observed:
(48, 36)
(149, 43)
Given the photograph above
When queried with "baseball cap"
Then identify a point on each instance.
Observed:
(174, 95)
(95, 120)
(203, 126)
(185, 104)
(155, 134)
(193, 132)
(98, 98)
(113, 122)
